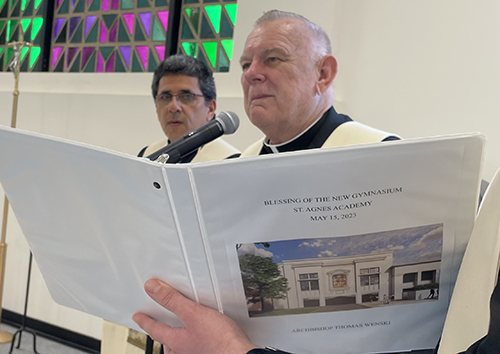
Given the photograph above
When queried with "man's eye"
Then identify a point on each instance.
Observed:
(166, 97)
(272, 59)
(245, 66)
(187, 96)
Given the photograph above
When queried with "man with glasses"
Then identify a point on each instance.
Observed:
(184, 92)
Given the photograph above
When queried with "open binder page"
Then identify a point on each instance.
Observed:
(99, 224)
(351, 250)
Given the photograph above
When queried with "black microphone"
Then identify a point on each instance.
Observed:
(224, 123)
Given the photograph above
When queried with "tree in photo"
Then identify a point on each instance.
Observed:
(262, 279)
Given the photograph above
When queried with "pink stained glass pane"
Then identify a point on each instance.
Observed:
(105, 5)
(112, 32)
(129, 21)
(146, 21)
(161, 52)
(115, 4)
(110, 65)
(57, 26)
(126, 55)
(163, 15)
(86, 53)
(89, 21)
(143, 54)
(100, 63)
(104, 33)
(56, 52)
(58, 3)
(70, 55)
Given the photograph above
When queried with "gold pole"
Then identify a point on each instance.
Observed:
(14, 65)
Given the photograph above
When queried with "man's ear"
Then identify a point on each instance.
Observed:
(212, 106)
(327, 70)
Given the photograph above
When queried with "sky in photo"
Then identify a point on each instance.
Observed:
(412, 245)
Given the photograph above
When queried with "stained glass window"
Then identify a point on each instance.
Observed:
(108, 35)
(116, 35)
(22, 19)
(206, 31)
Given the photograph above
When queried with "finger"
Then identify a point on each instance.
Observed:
(156, 330)
(170, 298)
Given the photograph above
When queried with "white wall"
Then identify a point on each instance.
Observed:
(416, 68)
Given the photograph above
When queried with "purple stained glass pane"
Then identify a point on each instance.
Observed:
(104, 33)
(163, 15)
(86, 53)
(115, 4)
(129, 21)
(126, 55)
(58, 3)
(143, 54)
(112, 33)
(73, 22)
(161, 52)
(146, 21)
(57, 26)
(110, 65)
(70, 56)
(56, 52)
(89, 21)
(105, 5)
(73, 4)
(88, 2)
(100, 63)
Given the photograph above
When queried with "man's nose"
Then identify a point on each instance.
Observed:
(254, 73)
(174, 106)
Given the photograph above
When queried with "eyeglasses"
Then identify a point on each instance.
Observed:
(187, 98)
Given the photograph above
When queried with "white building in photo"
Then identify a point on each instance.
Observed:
(352, 280)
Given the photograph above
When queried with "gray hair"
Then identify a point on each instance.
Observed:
(321, 45)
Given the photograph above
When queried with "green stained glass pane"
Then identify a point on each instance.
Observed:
(75, 67)
(226, 30)
(2, 37)
(138, 36)
(11, 4)
(35, 27)
(24, 66)
(108, 20)
(159, 3)
(228, 44)
(90, 68)
(231, 11)
(23, 4)
(119, 68)
(77, 36)
(11, 25)
(34, 54)
(152, 63)
(211, 50)
(186, 31)
(61, 38)
(17, 10)
(2, 23)
(37, 3)
(158, 34)
(1, 3)
(24, 51)
(60, 65)
(4, 12)
(127, 4)
(96, 6)
(25, 22)
(191, 49)
(29, 10)
(1, 50)
(92, 36)
(64, 7)
(193, 14)
(143, 3)
(136, 64)
(214, 13)
(191, 1)
(123, 33)
(206, 30)
(222, 62)
(80, 7)
(8, 55)
(106, 52)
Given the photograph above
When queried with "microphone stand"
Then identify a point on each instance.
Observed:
(23, 327)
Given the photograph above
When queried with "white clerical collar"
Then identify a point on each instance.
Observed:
(274, 147)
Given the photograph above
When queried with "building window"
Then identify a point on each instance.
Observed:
(309, 281)
(339, 281)
(116, 35)
(369, 276)
(410, 278)
(429, 275)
